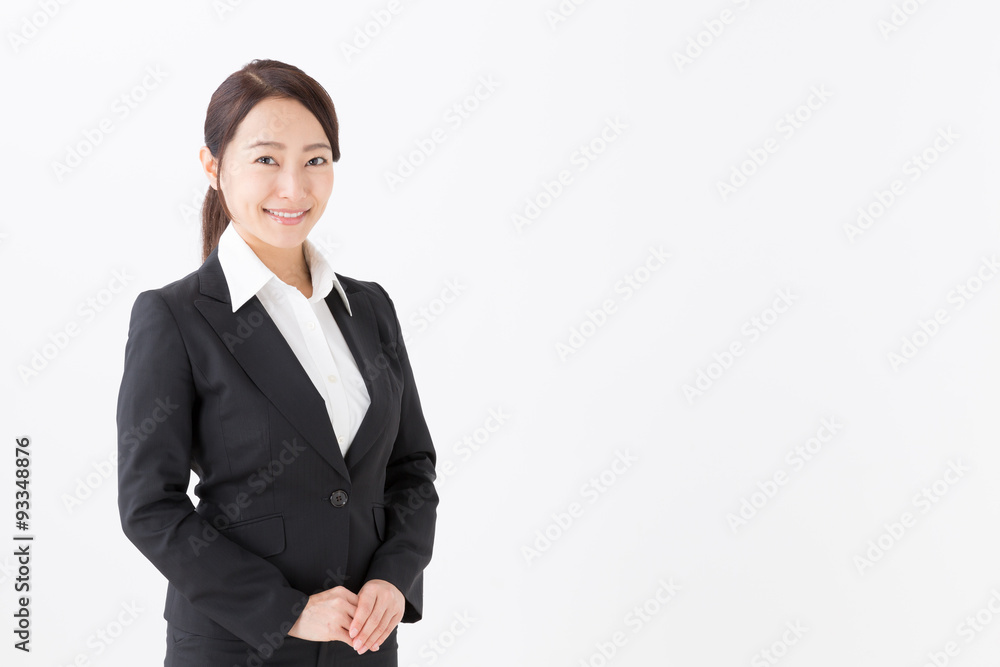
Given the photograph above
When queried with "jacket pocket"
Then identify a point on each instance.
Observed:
(264, 536)
(379, 512)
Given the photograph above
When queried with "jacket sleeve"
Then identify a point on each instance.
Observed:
(237, 589)
(410, 497)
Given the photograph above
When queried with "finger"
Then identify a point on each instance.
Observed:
(339, 617)
(373, 627)
(341, 593)
(365, 605)
(389, 623)
(349, 595)
(344, 631)
(381, 639)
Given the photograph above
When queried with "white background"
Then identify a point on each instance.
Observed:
(130, 206)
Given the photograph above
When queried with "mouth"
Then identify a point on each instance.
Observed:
(284, 216)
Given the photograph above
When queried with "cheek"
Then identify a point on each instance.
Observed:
(251, 188)
(322, 185)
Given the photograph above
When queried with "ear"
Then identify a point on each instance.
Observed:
(210, 166)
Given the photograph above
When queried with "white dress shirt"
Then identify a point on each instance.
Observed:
(307, 325)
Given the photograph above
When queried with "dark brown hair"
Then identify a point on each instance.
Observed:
(232, 101)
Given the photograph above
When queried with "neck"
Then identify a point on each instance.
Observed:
(288, 264)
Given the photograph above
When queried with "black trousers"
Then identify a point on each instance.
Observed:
(189, 650)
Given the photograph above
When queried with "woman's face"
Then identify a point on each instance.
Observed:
(278, 162)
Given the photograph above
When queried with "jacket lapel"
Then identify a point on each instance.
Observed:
(361, 333)
(258, 346)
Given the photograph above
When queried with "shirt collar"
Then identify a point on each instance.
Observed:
(246, 275)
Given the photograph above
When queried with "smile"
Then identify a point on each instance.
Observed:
(286, 217)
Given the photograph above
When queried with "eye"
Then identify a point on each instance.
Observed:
(265, 157)
(318, 158)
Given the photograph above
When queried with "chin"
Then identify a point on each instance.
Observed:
(287, 239)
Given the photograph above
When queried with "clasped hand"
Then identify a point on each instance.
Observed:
(364, 620)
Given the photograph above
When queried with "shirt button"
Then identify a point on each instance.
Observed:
(340, 439)
(338, 498)
(311, 326)
(331, 378)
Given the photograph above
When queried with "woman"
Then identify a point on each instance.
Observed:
(288, 390)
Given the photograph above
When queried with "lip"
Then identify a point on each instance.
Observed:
(287, 221)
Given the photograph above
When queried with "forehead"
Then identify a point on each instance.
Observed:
(283, 120)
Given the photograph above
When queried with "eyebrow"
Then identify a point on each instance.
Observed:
(276, 144)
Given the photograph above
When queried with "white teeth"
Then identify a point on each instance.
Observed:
(285, 215)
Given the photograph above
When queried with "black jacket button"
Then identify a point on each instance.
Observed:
(339, 498)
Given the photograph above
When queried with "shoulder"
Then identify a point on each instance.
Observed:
(175, 297)
(186, 287)
(375, 293)
(384, 310)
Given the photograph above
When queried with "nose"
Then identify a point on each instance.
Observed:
(291, 184)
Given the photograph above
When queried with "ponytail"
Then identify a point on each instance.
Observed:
(214, 218)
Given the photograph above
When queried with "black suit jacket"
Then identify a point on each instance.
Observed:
(281, 513)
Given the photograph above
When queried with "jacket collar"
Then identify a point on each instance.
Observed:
(252, 337)
(246, 275)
